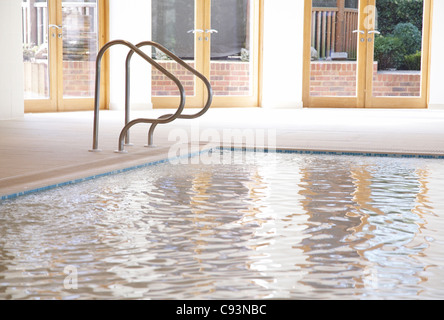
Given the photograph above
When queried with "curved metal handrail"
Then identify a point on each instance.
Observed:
(161, 120)
(183, 64)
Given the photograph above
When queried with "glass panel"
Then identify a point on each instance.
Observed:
(172, 26)
(231, 44)
(35, 49)
(80, 47)
(397, 62)
(333, 69)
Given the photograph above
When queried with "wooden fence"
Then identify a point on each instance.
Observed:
(35, 19)
(332, 31)
(35, 23)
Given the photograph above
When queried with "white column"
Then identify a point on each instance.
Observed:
(11, 60)
(130, 20)
(437, 61)
(283, 53)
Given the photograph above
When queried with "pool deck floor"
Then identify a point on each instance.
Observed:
(41, 150)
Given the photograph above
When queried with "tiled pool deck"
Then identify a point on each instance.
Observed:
(44, 150)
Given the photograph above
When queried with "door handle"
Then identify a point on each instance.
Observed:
(211, 31)
(195, 31)
(374, 31)
(60, 28)
(55, 26)
(360, 31)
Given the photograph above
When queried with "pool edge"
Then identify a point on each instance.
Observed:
(19, 194)
(16, 195)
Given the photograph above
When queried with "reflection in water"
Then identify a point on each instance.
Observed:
(281, 226)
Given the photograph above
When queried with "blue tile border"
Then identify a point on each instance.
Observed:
(101, 175)
(336, 153)
(245, 149)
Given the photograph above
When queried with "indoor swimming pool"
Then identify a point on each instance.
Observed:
(256, 226)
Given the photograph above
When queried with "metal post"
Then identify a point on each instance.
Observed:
(183, 64)
(154, 122)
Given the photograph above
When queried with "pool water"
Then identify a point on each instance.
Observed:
(263, 226)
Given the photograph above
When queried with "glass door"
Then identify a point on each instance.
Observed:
(217, 37)
(398, 42)
(60, 41)
(176, 24)
(231, 34)
(39, 69)
(333, 74)
(79, 47)
(366, 53)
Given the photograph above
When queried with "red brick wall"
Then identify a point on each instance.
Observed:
(227, 79)
(333, 79)
(233, 78)
(392, 84)
(79, 78)
(339, 79)
(230, 78)
(161, 85)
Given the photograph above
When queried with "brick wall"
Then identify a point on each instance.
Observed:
(397, 84)
(339, 79)
(79, 78)
(227, 79)
(230, 78)
(161, 85)
(333, 79)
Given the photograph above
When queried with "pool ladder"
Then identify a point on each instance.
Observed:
(124, 138)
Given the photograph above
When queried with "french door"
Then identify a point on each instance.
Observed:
(366, 53)
(61, 39)
(220, 38)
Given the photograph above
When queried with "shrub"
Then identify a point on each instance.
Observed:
(413, 61)
(389, 52)
(410, 36)
(393, 12)
(29, 51)
(399, 50)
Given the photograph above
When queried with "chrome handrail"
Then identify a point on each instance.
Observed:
(183, 64)
(162, 120)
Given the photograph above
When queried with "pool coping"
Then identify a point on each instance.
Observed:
(164, 158)
(411, 155)
(35, 183)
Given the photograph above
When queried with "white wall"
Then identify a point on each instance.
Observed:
(129, 20)
(11, 60)
(437, 57)
(283, 53)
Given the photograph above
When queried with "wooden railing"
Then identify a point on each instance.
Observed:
(35, 19)
(332, 31)
(35, 23)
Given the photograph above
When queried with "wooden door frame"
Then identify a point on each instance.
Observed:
(55, 102)
(243, 101)
(421, 102)
(203, 62)
(365, 55)
(196, 101)
(50, 104)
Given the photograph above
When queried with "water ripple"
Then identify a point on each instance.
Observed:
(297, 227)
